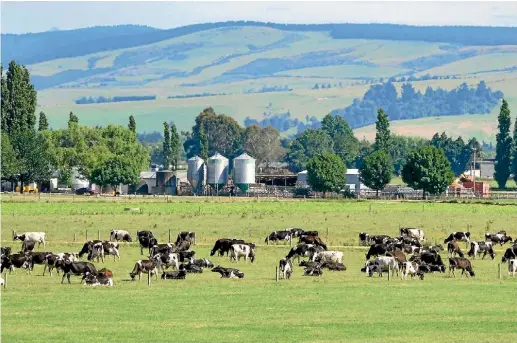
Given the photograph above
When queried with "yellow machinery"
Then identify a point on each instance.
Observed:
(28, 189)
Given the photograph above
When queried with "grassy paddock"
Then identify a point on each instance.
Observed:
(336, 307)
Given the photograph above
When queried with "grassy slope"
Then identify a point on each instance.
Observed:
(156, 60)
(333, 308)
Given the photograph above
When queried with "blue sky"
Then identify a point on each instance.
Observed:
(22, 17)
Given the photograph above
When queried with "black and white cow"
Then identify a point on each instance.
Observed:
(27, 246)
(96, 251)
(230, 273)
(38, 237)
(144, 266)
(147, 242)
(512, 267)
(179, 275)
(163, 248)
(295, 232)
(57, 261)
(458, 236)
(498, 238)
(78, 268)
(223, 245)
(203, 263)
(242, 250)
(182, 246)
(38, 258)
(6, 251)
(476, 248)
(120, 235)
(303, 250)
(276, 236)
(379, 239)
(433, 248)
(191, 268)
(313, 271)
(381, 264)
(413, 269)
(509, 254)
(186, 236)
(285, 267)
(16, 261)
(413, 233)
(333, 266)
(376, 250)
(166, 260)
(186, 256)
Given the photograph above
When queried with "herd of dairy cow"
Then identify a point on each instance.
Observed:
(388, 253)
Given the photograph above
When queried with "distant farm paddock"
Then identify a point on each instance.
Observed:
(336, 307)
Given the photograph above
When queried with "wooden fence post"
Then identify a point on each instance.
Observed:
(276, 274)
(169, 235)
(5, 280)
(327, 234)
(389, 270)
(86, 234)
(149, 278)
(499, 270)
(99, 235)
(74, 236)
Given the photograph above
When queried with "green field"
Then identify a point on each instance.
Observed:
(336, 307)
(218, 61)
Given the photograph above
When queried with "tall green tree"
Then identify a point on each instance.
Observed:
(73, 118)
(43, 123)
(457, 151)
(132, 124)
(18, 100)
(383, 135)
(174, 146)
(115, 171)
(167, 158)
(326, 173)
(428, 169)
(345, 144)
(376, 170)
(203, 144)
(305, 146)
(263, 144)
(503, 148)
(515, 151)
(9, 168)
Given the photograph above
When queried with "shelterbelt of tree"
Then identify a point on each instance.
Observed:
(44, 46)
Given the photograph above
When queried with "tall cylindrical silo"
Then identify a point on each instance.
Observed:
(243, 171)
(217, 171)
(196, 172)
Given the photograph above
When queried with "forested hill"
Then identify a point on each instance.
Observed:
(39, 47)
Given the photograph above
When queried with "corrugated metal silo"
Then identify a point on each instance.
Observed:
(243, 171)
(217, 171)
(196, 172)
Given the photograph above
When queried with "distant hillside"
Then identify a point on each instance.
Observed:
(45, 46)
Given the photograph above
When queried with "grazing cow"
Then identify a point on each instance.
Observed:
(98, 280)
(230, 273)
(454, 249)
(27, 246)
(285, 266)
(333, 266)
(380, 264)
(78, 268)
(433, 248)
(120, 235)
(166, 260)
(498, 238)
(186, 236)
(510, 253)
(364, 238)
(242, 250)
(163, 248)
(399, 256)
(105, 272)
(429, 268)
(376, 250)
(38, 237)
(431, 258)
(309, 264)
(512, 267)
(16, 261)
(144, 266)
(182, 246)
(303, 250)
(87, 247)
(97, 251)
(179, 275)
(410, 241)
(144, 233)
(223, 245)
(314, 271)
(413, 233)
(412, 268)
(458, 236)
(191, 268)
(279, 236)
(460, 263)
(111, 248)
(203, 263)
(476, 248)
(379, 239)
(309, 239)
(147, 242)
(6, 251)
(328, 256)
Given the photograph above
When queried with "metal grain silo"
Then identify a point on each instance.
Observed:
(196, 172)
(243, 171)
(217, 171)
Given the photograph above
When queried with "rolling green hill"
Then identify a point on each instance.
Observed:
(235, 62)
